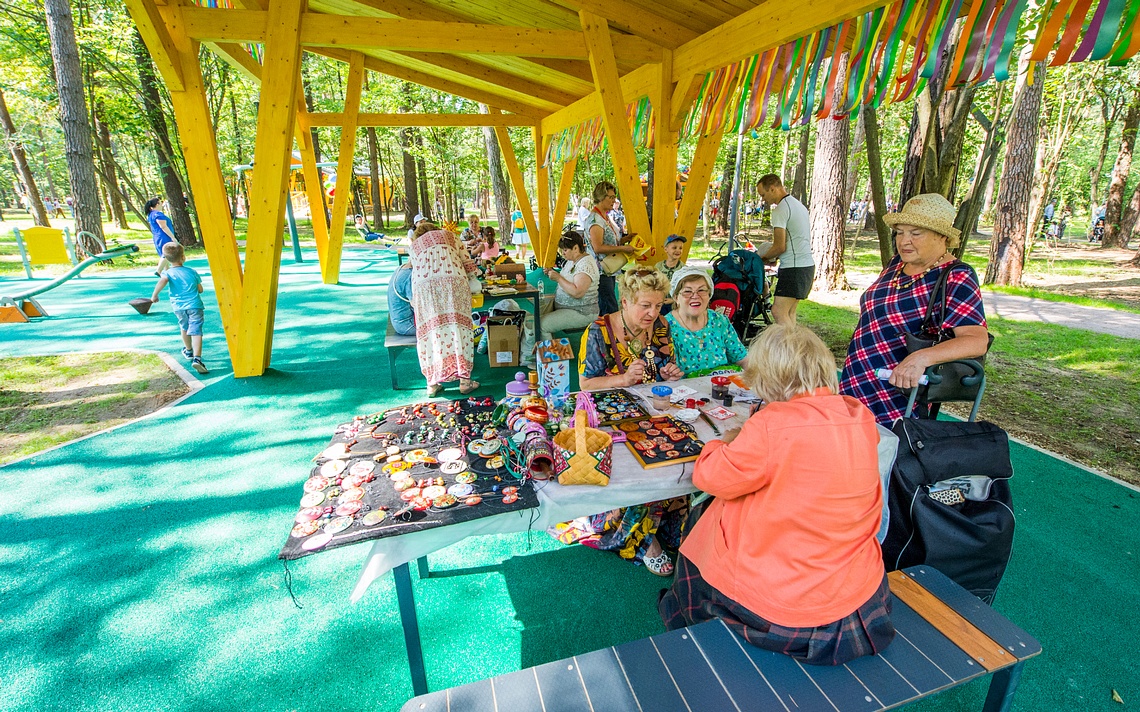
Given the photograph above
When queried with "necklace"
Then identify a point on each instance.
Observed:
(633, 340)
(915, 278)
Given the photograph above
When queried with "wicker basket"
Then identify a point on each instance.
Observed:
(583, 455)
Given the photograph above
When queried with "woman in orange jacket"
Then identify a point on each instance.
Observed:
(785, 551)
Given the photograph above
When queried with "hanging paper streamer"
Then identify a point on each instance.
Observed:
(891, 53)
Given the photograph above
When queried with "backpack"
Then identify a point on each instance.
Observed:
(725, 299)
(950, 502)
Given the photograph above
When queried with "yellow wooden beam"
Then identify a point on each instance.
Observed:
(561, 203)
(541, 185)
(636, 20)
(156, 37)
(330, 270)
(433, 82)
(626, 173)
(491, 75)
(634, 85)
(371, 119)
(276, 118)
(684, 94)
(693, 195)
(518, 184)
(354, 32)
(664, 155)
(239, 58)
(768, 25)
(314, 186)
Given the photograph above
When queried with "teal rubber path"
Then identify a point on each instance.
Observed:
(138, 568)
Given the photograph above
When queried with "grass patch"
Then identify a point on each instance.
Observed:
(1069, 391)
(1051, 296)
(48, 400)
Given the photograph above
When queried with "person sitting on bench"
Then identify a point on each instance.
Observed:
(785, 551)
(400, 311)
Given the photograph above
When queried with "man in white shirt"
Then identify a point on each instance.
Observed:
(791, 244)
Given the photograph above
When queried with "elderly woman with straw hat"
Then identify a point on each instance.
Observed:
(896, 304)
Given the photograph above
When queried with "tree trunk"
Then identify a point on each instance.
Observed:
(971, 209)
(950, 156)
(1128, 219)
(73, 117)
(828, 206)
(498, 182)
(411, 182)
(854, 163)
(163, 150)
(109, 175)
(23, 170)
(1114, 206)
(1007, 246)
(878, 193)
(46, 164)
(799, 181)
(1096, 173)
(425, 197)
(723, 215)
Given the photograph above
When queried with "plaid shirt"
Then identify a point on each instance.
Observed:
(895, 305)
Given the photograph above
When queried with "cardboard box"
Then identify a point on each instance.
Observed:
(504, 342)
(554, 360)
(516, 273)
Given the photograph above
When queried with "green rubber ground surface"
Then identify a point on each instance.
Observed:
(138, 568)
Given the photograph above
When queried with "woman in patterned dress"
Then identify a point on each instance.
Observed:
(441, 299)
(703, 340)
(624, 349)
(895, 305)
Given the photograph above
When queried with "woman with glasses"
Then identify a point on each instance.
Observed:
(896, 305)
(704, 341)
(603, 238)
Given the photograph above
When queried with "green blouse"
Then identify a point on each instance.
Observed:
(714, 346)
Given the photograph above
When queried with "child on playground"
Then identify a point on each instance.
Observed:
(185, 286)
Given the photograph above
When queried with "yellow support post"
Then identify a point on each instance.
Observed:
(276, 118)
(517, 182)
(330, 267)
(561, 203)
(541, 186)
(314, 188)
(700, 173)
(195, 125)
(605, 71)
(664, 156)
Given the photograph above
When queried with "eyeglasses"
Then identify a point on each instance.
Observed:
(689, 293)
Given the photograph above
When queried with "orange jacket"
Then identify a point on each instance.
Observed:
(791, 533)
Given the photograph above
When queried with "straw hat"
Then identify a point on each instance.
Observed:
(685, 273)
(931, 211)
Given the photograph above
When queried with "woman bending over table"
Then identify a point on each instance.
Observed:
(617, 351)
(785, 551)
(895, 304)
(441, 300)
(703, 340)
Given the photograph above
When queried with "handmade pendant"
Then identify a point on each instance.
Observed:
(650, 367)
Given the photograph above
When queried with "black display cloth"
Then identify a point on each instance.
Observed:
(360, 437)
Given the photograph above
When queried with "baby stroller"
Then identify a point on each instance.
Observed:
(740, 292)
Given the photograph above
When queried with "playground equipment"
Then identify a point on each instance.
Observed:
(23, 306)
(44, 246)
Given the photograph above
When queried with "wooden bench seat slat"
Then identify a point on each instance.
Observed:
(964, 634)
(973, 609)
(561, 683)
(842, 688)
(604, 682)
(796, 690)
(518, 692)
(881, 682)
(649, 677)
(476, 697)
(949, 658)
(691, 672)
(737, 672)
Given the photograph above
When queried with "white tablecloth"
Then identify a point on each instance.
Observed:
(629, 484)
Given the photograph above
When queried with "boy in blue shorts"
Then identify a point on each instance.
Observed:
(185, 286)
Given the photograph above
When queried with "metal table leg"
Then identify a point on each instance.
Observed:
(1002, 686)
(537, 298)
(407, 602)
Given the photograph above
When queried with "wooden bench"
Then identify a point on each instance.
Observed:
(395, 343)
(946, 637)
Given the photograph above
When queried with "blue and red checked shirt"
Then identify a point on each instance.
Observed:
(894, 305)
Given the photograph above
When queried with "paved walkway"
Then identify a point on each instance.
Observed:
(1074, 316)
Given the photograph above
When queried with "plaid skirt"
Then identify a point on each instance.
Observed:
(867, 631)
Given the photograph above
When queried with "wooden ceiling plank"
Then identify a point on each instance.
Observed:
(635, 20)
(493, 76)
(374, 119)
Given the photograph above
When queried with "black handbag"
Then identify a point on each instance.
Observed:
(932, 332)
(950, 502)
